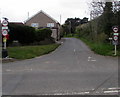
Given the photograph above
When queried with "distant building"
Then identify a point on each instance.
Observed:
(43, 20)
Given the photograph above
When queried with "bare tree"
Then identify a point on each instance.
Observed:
(116, 6)
(96, 8)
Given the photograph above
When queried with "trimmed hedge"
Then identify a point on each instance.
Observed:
(24, 34)
(42, 34)
(27, 35)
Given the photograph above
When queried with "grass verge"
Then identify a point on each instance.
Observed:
(101, 48)
(27, 52)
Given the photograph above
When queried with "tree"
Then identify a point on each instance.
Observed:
(96, 8)
(108, 18)
(72, 23)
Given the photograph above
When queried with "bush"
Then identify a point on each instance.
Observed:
(26, 35)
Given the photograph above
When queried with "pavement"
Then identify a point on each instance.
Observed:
(72, 69)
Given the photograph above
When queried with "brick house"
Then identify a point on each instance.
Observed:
(43, 20)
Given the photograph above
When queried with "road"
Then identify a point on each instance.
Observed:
(72, 69)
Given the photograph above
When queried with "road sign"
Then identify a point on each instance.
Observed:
(5, 27)
(4, 32)
(115, 42)
(115, 29)
(4, 23)
(4, 39)
(110, 38)
(115, 38)
(115, 34)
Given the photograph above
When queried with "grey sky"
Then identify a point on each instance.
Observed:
(17, 10)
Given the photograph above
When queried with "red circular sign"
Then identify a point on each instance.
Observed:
(4, 23)
(115, 29)
(115, 38)
(4, 32)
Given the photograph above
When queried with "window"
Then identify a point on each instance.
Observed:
(35, 25)
(50, 24)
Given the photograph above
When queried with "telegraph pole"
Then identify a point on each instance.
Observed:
(28, 15)
(60, 18)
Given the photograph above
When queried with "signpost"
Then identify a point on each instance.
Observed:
(4, 31)
(115, 38)
(5, 34)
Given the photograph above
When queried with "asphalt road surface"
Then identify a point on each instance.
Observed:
(72, 69)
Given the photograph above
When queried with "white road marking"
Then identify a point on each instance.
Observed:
(93, 60)
(74, 50)
(89, 58)
(113, 91)
(27, 69)
(114, 88)
(69, 93)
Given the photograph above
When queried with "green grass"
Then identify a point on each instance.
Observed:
(101, 48)
(27, 52)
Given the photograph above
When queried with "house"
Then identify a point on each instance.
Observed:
(43, 20)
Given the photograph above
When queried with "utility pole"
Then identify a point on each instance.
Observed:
(28, 15)
(60, 19)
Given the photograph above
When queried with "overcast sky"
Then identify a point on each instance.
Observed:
(17, 10)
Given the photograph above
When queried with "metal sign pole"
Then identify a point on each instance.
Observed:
(5, 45)
(115, 50)
(5, 40)
(115, 37)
